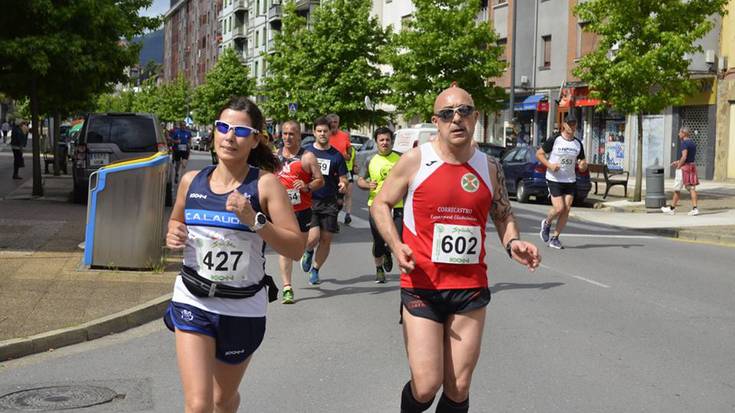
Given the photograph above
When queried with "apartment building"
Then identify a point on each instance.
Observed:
(191, 37)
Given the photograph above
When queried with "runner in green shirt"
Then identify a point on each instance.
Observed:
(372, 176)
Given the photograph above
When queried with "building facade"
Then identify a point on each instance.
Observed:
(191, 37)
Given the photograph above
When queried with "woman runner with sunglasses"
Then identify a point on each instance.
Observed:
(223, 217)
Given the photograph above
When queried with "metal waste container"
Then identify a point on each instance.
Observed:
(655, 195)
(125, 214)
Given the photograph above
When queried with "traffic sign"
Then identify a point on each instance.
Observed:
(293, 106)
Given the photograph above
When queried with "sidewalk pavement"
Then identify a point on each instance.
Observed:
(47, 300)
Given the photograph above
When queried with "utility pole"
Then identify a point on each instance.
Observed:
(514, 21)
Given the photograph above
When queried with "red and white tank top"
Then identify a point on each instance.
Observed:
(293, 170)
(444, 222)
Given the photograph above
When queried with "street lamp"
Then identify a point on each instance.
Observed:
(371, 107)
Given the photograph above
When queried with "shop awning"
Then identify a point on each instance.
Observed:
(532, 102)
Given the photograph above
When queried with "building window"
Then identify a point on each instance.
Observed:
(503, 44)
(585, 40)
(499, 2)
(255, 71)
(405, 20)
(257, 38)
(547, 51)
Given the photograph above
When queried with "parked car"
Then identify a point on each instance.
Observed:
(525, 176)
(408, 138)
(196, 142)
(495, 151)
(367, 149)
(108, 138)
(358, 140)
(307, 138)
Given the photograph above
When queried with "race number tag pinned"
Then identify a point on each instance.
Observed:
(294, 195)
(456, 244)
(324, 164)
(222, 260)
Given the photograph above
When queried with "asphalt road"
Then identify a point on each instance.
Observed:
(617, 322)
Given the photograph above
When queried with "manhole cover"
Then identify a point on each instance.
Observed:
(57, 398)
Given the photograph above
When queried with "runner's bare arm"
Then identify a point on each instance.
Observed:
(312, 166)
(502, 215)
(282, 233)
(394, 189)
(177, 233)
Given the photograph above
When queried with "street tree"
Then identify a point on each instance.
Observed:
(641, 64)
(147, 99)
(229, 77)
(443, 43)
(330, 67)
(116, 102)
(62, 54)
(173, 100)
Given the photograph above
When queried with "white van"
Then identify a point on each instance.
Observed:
(408, 138)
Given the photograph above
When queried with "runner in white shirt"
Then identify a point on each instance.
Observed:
(565, 151)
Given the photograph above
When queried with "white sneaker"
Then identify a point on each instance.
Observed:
(693, 212)
(668, 210)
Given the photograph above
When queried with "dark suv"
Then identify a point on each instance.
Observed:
(108, 138)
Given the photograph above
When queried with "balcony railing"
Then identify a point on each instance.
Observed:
(274, 13)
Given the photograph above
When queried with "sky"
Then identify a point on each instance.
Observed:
(157, 8)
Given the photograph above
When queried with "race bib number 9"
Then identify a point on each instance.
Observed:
(222, 260)
(456, 244)
(324, 165)
(294, 195)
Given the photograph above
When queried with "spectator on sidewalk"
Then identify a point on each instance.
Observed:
(686, 173)
(18, 141)
(5, 129)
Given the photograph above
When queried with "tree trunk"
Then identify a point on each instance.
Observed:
(36, 131)
(639, 160)
(55, 144)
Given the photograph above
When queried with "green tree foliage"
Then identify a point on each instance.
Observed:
(229, 77)
(648, 71)
(147, 99)
(116, 102)
(329, 68)
(444, 43)
(173, 100)
(62, 54)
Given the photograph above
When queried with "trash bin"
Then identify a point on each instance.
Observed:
(655, 195)
(125, 214)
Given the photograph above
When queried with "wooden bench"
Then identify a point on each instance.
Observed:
(610, 178)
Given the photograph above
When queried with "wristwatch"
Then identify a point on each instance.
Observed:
(260, 221)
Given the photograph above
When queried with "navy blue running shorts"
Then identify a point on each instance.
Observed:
(438, 305)
(236, 338)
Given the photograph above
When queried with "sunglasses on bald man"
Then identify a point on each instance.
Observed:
(446, 115)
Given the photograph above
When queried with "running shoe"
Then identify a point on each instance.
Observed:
(555, 243)
(668, 210)
(287, 295)
(314, 277)
(348, 219)
(306, 260)
(545, 231)
(694, 212)
(388, 262)
(380, 276)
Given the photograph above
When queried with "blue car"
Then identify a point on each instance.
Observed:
(525, 176)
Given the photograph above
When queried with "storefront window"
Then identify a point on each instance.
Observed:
(608, 139)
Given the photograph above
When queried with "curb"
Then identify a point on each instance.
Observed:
(678, 233)
(114, 323)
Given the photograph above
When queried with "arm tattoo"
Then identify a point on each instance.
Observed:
(500, 210)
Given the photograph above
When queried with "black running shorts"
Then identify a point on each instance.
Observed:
(438, 305)
(562, 188)
(324, 214)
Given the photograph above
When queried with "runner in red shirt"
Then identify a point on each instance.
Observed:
(450, 187)
(300, 175)
(341, 141)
